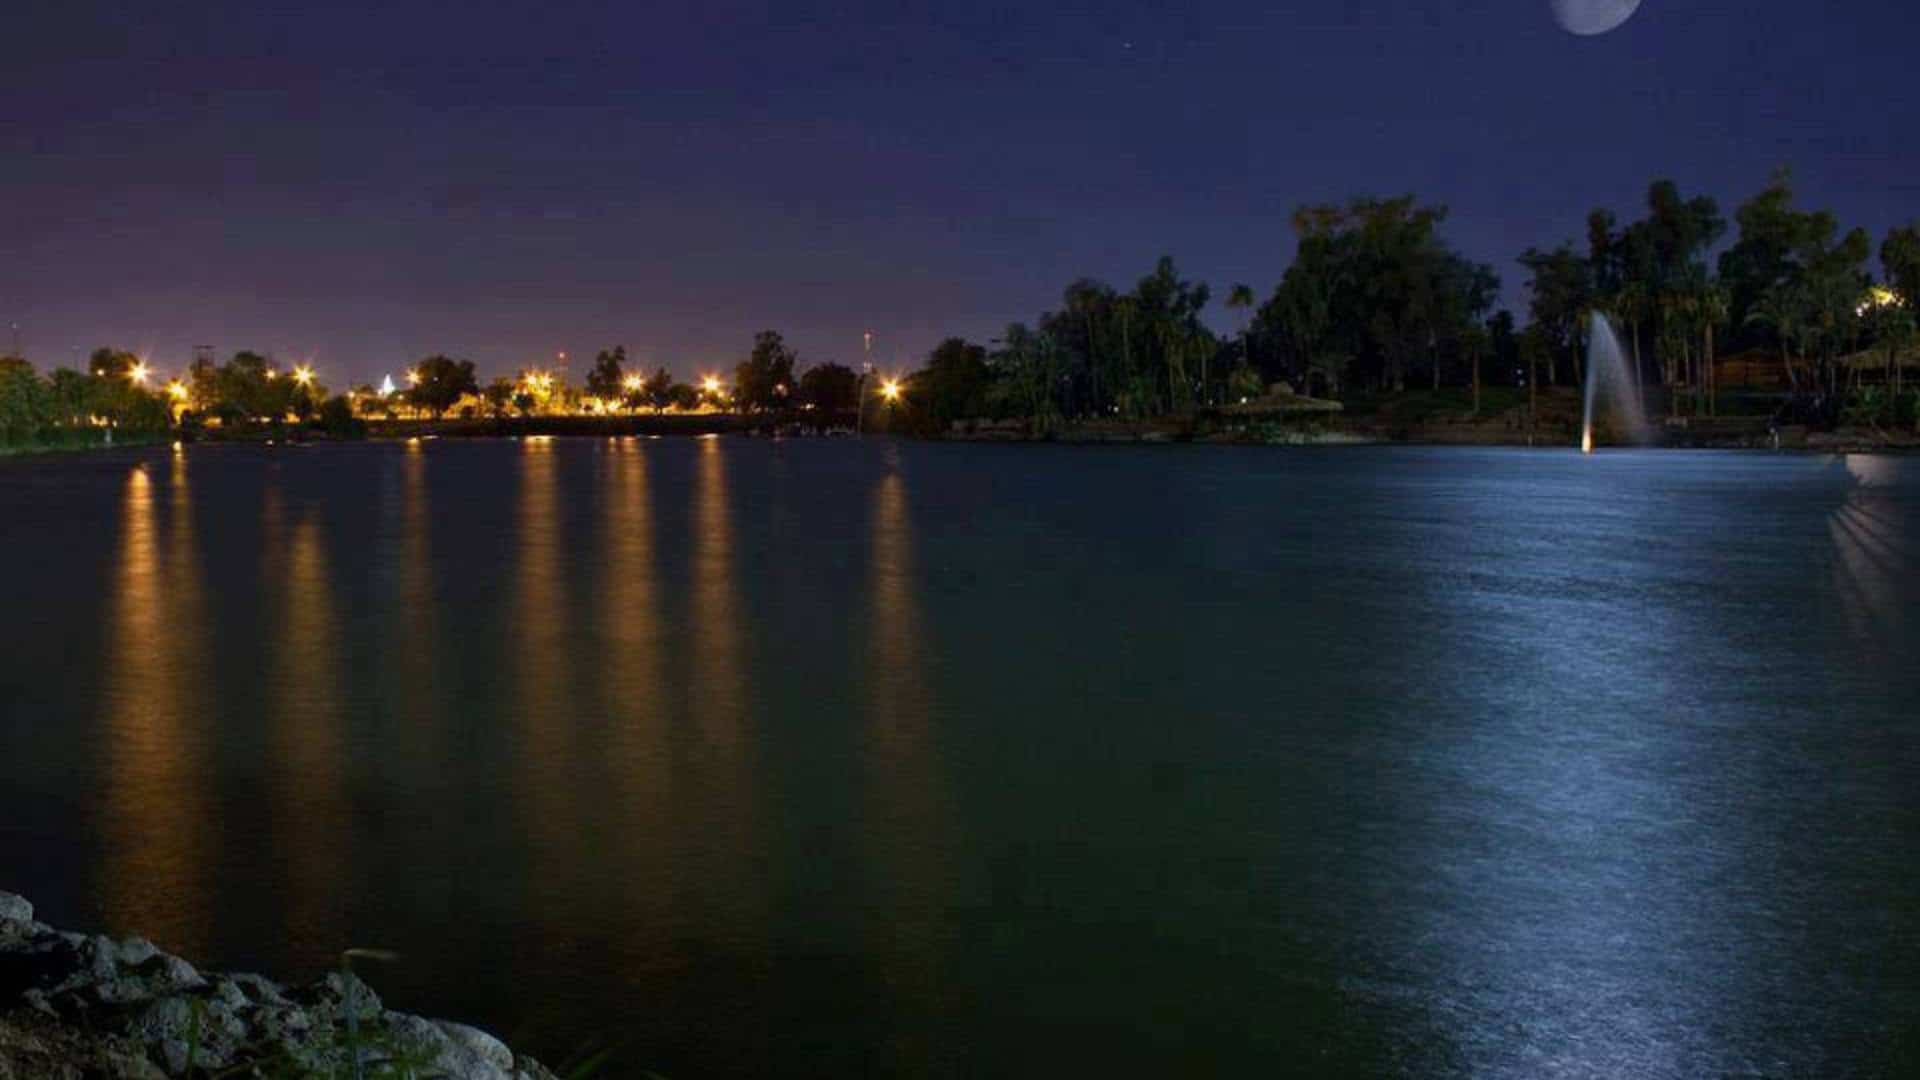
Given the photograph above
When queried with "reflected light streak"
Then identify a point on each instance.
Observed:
(310, 745)
(718, 700)
(416, 653)
(547, 751)
(1874, 563)
(636, 845)
(159, 829)
(910, 824)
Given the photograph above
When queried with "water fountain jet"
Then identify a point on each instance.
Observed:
(1607, 361)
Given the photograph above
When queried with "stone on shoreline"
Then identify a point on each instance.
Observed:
(79, 1005)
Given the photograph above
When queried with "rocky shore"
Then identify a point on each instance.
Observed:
(85, 1006)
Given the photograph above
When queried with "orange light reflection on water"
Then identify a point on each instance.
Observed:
(159, 830)
(905, 795)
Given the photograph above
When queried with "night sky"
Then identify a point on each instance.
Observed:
(365, 183)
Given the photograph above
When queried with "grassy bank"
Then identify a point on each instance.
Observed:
(77, 443)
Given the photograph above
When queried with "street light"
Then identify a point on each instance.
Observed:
(137, 374)
(890, 389)
(303, 375)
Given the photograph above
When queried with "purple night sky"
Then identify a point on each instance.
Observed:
(365, 183)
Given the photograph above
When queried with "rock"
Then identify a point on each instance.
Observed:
(339, 993)
(159, 974)
(167, 973)
(422, 1039)
(33, 1047)
(258, 988)
(179, 1028)
(78, 1006)
(14, 908)
(525, 1068)
(55, 964)
(228, 993)
(474, 1052)
(135, 951)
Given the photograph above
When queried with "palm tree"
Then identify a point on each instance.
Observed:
(1782, 310)
(1631, 303)
(1240, 298)
(1714, 307)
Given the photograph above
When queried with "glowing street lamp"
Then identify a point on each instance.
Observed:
(711, 384)
(137, 374)
(413, 377)
(177, 390)
(633, 383)
(890, 389)
(303, 375)
(1879, 296)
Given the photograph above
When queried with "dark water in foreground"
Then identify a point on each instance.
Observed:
(835, 759)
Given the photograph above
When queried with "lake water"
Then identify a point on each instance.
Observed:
(828, 758)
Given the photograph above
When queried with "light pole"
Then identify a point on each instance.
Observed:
(860, 387)
(860, 398)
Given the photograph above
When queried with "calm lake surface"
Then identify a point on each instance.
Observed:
(828, 758)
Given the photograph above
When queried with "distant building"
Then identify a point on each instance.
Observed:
(1754, 369)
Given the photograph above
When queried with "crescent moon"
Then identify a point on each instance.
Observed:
(1592, 17)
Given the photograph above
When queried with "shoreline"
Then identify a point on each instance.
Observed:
(1744, 434)
(79, 1005)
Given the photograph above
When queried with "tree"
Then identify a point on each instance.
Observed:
(1372, 289)
(683, 396)
(1240, 299)
(831, 389)
(26, 403)
(439, 381)
(1475, 341)
(953, 385)
(1760, 259)
(765, 378)
(244, 390)
(1781, 309)
(1560, 294)
(1891, 322)
(1026, 368)
(1900, 258)
(498, 397)
(71, 396)
(338, 421)
(658, 389)
(1504, 346)
(605, 380)
(111, 363)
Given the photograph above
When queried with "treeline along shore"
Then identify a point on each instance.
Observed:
(1769, 327)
